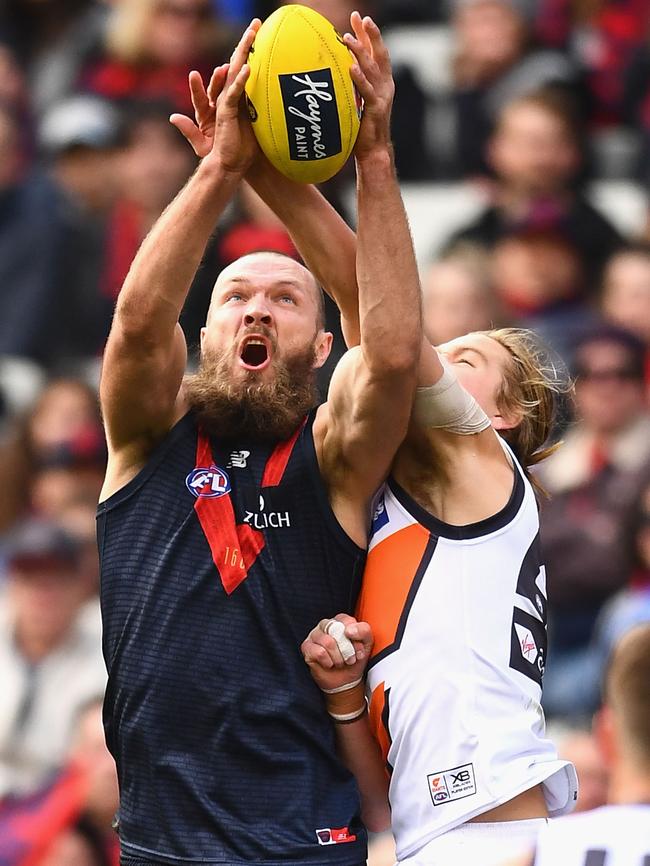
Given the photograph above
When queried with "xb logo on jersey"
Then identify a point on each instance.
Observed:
(208, 483)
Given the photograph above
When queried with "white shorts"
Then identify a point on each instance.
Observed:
(479, 844)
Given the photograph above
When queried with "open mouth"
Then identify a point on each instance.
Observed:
(255, 353)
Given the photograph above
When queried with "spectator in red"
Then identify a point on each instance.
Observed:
(603, 37)
(152, 45)
(72, 815)
(536, 155)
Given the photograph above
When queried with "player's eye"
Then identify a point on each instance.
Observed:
(234, 296)
(287, 299)
(464, 361)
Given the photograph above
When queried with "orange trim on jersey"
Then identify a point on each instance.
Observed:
(390, 569)
(377, 726)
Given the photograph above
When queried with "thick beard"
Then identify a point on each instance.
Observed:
(250, 407)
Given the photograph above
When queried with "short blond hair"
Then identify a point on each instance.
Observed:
(532, 386)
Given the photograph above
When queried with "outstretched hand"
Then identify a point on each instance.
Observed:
(221, 126)
(321, 652)
(373, 78)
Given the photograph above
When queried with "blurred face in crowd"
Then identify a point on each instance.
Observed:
(455, 302)
(89, 175)
(626, 294)
(154, 165)
(532, 150)
(46, 593)
(176, 29)
(610, 393)
(490, 35)
(89, 753)
(531, 273)
(68, 496)
(65, 411)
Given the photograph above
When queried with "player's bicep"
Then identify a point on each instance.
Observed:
(139, 386)
(368, 418)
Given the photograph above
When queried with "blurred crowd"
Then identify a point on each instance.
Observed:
(522, 107)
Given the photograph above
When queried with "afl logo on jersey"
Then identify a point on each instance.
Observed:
(208, 483)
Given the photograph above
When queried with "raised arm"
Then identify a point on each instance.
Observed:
(371, 392)
(145, 354)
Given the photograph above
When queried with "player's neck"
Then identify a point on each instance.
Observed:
(629, 784)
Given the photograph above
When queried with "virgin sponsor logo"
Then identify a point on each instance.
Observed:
(311, 115)
(454, 784)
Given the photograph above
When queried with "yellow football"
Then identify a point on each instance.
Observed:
(302, 102)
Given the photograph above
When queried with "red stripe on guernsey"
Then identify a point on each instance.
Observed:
(235, 547)
(277, 462)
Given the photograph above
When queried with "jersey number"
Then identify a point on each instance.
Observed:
(599, 858)
(528, 641)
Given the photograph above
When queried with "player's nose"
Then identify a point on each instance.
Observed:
(257, 311)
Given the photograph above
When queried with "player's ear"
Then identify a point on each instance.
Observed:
(503, 420)
(202, 336)
(322, 348)
(604, 729)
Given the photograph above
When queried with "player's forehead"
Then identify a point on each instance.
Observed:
(265, 271)
(489, 348)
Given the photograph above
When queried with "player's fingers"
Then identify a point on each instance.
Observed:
(362, 84)
(235, 89)
(314, 654)
(356, 23)
(378, 47)
(331, 646)
(363, 57)
(198, 94)
(217, 82)
(240, 54)
(192, 133)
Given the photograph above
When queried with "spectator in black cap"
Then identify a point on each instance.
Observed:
(50, 659)
(593, 479)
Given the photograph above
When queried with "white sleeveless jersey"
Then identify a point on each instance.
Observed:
(459, 619)
(610, 836)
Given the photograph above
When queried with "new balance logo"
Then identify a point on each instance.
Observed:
(238, 460)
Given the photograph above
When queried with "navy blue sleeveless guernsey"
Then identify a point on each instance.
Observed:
(217, 559)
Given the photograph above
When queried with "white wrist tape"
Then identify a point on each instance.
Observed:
(447, 406)
(350, 717)
(344, 688)
(336, 629)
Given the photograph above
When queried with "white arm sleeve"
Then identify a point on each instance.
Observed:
(447, 406)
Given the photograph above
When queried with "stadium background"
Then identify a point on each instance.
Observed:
(522, 137)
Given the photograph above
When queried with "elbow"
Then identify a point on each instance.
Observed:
(387, 355)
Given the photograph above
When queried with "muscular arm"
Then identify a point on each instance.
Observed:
(145, 355)
(366, 417)
(328, 246)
